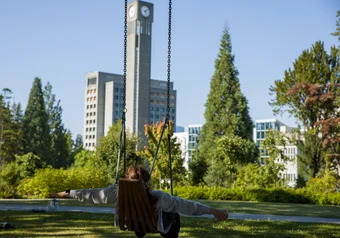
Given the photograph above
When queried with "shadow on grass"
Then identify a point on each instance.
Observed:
(288, 209)
(101, 225)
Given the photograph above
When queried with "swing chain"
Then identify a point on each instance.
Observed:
(169, 60)
(124, 97)
(125, 53)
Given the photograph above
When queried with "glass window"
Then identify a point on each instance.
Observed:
(151, 108)
(262, 135)
(258, 126)
(173, 110)
(151, 115)
(267, 126)
(258, 135)
(116, 97)
(94, 106)
(91, 81)
(94, 121)
(262, 126)
(157, 116)
(157, 109)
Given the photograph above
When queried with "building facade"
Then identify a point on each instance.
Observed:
(104, 104)
(146, 99)
(189, 142)
(290, 174)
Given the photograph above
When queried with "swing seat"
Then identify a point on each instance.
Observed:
(135, 211)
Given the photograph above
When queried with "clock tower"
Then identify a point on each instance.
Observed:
(139, 30)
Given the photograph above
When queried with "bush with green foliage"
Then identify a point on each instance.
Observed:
(11, 174)
(51, 180)
(259, 195)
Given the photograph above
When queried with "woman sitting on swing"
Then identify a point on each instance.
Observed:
(159, 200)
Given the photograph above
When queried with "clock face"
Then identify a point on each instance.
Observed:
(145, 11)
(132, 11)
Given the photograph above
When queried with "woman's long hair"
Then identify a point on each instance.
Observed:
(141, 173)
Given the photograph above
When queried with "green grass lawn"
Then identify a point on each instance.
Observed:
(289, 209)
(100, 225)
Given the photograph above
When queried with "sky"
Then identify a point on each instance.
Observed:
(61, 41)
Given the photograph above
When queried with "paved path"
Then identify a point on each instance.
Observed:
(241, 216)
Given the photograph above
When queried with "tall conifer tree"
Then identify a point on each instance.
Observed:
(60, 150)
(226, 107)
(35, 124)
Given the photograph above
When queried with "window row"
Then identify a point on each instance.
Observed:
(260, 135)
(90, 114)
(91, 106)
(194, 138)
(267, 126)
(157, 116)
(90, 91)
(161, 102)
(119, 90)
(90, 122)
(289, 177)
(119, 97)
(195, 130)
(161, 95)
(89, 144)
(289, 151)
(120, 105)
(162, 109)
(90, 136)
(91, 99)
(90, 129)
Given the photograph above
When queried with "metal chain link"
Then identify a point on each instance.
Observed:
(124, 97)
(125, 54)
(169, 59)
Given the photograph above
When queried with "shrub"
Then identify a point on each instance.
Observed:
(51, 180)
(258, 195)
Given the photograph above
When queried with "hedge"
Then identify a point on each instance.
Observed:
(260, 195)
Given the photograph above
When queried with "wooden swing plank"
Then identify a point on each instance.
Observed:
(147, 213)
(141, 217)
(133, 207)
(121, 208)
(127, 211)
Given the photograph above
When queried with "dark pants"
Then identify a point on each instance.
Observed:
(168, 218)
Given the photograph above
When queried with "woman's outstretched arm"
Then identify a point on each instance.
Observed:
(93, 196)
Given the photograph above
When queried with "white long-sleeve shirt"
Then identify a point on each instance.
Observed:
(165, 202)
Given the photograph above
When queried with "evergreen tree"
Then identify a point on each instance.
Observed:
(226, 107)
(5, 126)
(17, 126)
(78, 143)
(11, 142)
(60, 150)
(35, 124)
(337, 33)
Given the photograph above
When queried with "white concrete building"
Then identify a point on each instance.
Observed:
(290, 173)
(189, 141)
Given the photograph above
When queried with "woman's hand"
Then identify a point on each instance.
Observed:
(220, 214)
(58, 195)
